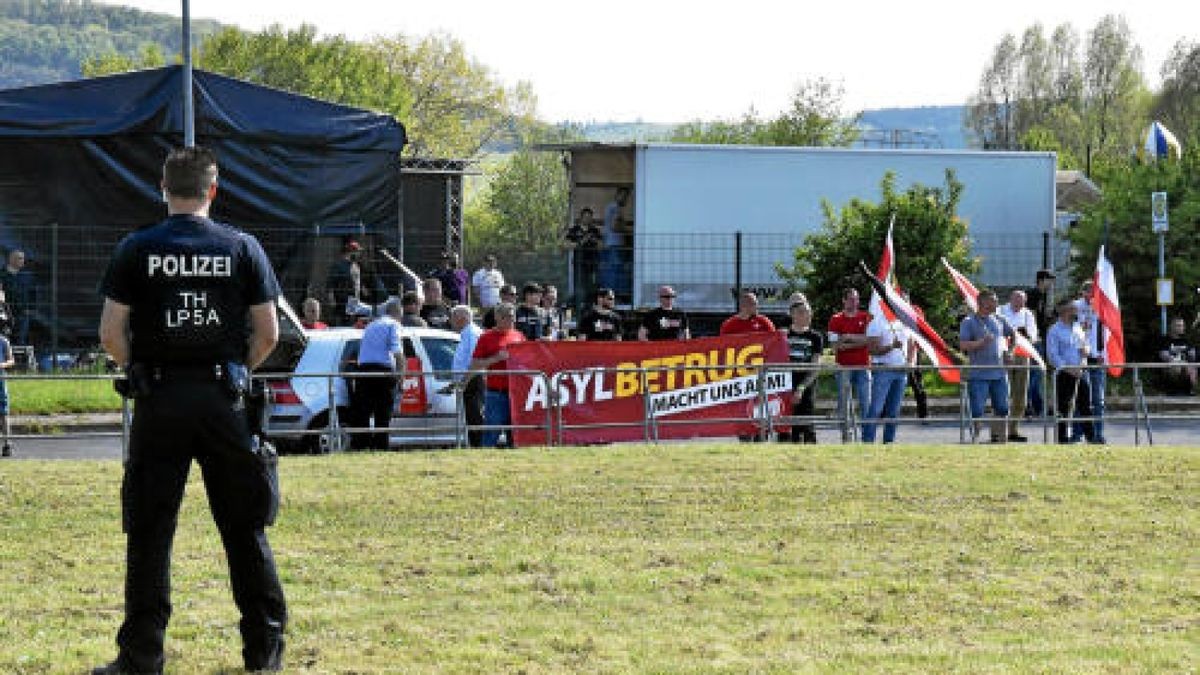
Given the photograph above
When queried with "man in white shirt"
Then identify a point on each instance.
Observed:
(1023, 321)
(487, 282)
(890, 346)
(1096, 376)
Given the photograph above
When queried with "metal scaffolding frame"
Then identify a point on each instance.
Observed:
(452, 171)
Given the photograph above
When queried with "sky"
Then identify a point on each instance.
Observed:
(670, 61)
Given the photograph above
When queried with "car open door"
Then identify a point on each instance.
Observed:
(292, 341)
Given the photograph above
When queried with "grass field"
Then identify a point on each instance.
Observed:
(46, 397)
(676, 558)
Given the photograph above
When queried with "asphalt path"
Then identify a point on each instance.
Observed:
(107, 446)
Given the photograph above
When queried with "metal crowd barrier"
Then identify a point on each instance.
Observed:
(846, 418)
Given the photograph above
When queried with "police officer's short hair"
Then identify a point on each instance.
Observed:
(189, 172)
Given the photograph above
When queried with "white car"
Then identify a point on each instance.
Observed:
(426, 411)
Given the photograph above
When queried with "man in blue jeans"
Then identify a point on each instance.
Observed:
(847, 337)
(1096, 375)
(891, 347)
(987, 340)
(491, 353)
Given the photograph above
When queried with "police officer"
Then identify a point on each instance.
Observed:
(189, 307)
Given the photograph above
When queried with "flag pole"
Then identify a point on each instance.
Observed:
(189, 112)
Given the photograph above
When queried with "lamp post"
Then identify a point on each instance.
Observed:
(189, 112)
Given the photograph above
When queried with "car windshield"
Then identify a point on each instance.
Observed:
(441, 354)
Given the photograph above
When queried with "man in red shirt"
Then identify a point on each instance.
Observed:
(491, 353)
(747, 320)
(848, 337)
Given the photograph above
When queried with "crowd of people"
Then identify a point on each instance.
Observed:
(876, 357)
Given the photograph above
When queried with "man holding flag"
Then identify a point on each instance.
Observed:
(1100, 316)
(982, 338)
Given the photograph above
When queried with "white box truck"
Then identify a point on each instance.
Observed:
(687, 202)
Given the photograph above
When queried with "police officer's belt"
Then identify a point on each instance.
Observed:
(212, 372)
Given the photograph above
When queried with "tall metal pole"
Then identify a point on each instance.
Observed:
(737, 270)
(189, 112)
(1162, 274)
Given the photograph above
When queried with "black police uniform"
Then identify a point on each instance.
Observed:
(189, 283)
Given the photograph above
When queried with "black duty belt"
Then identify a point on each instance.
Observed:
(212, 372)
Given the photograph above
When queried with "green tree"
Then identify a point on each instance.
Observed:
(1124, 209)
(1117, 98)
(1178, 102)
(1087, 97)
(814, 118)
(926, 230)
(151, 56)
(526, 203)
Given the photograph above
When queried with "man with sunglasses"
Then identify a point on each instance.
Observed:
(665, 322)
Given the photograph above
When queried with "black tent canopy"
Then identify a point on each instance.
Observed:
(80, 164)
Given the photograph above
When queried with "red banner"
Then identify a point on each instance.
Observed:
(600, 383)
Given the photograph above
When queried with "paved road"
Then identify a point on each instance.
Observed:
(108, 447)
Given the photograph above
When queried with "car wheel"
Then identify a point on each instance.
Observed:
(327, 442)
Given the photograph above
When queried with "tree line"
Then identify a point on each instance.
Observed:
(1080, 96)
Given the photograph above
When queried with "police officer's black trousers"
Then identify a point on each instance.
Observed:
(182, 420)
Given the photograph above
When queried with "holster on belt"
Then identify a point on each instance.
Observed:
(137, 383)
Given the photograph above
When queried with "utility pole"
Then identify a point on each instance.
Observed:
(189, 111)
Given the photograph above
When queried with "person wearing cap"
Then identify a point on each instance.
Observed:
(1040, 302)
(530, 318)
(508, 293)
(345, 281)
(601, 323)
(665, 322)
(488, 281)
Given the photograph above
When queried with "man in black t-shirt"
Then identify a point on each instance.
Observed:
(530, 318)
(1039, 302)
(804, 346)
(601, 323)
(665, 322)
(1175, 348)
(434, 310)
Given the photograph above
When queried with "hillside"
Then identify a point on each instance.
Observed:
(925, 126)
(45, 40)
